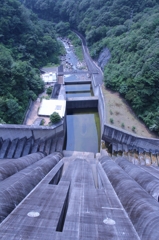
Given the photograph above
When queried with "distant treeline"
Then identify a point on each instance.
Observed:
(130, 29)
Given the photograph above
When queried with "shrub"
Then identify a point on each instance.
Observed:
(123, 125)
(111, 120)
(42, 122)
(49, 90)
(134, 129)
(55, 117)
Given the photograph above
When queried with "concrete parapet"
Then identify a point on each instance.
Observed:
(9, 131)
(113, 134)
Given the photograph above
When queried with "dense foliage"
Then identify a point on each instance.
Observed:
(26, 44)
(55, 118)
(130, 29)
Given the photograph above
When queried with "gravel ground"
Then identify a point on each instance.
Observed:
(122, 115)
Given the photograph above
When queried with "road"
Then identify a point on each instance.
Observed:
(91, 65)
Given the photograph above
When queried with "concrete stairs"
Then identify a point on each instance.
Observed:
(92, 196)
(19, 147)
(137, 187)
(146, 176)
(135, 154)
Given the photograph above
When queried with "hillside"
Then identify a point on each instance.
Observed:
(130, 29)
(26, 45)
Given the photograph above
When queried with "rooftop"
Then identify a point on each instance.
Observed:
(47, 107)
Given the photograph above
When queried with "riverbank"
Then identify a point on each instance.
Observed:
(120, 115)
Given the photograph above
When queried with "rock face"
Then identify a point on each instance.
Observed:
(104, 57)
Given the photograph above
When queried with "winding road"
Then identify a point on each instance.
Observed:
(91, 65)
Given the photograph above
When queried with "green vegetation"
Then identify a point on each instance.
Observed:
(134, 129)
(49, 90)
(76, 44)
(42, 122)
(123, 125)
(27, 44)
(130, 29)
(55, 117)
(111, 120)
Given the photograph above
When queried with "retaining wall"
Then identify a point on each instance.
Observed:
(19, 131)
(101, 103)
(27, 112)
(114, 134)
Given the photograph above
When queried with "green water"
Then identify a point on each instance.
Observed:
(83, 130)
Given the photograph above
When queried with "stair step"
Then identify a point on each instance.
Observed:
(12, 148)
(119, 147)
(4, 148)
(140, 150)
(42, 146)
(35, 146)
(125, 148)
(147, 158)
(153, 171)
(114, 147)
(59, 145)
(27, 147)
(1, 142)
(20, 147)
(130, 148)
(48, 146)
(154, 159)
(53, 146)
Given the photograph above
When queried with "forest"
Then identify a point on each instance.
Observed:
(129, 29)
(26, 44)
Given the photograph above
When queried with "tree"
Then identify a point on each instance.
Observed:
(49, 90)
(55, 117)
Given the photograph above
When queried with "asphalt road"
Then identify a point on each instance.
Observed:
(91, 65)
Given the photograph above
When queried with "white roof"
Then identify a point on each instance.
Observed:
(47, 107)
(49, 77)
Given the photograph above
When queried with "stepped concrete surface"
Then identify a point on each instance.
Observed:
(14, 188)
(77, 195)
(75, 200)
(142, 209)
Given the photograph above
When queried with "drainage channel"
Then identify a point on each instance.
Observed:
(83, 130)
(83, 123)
